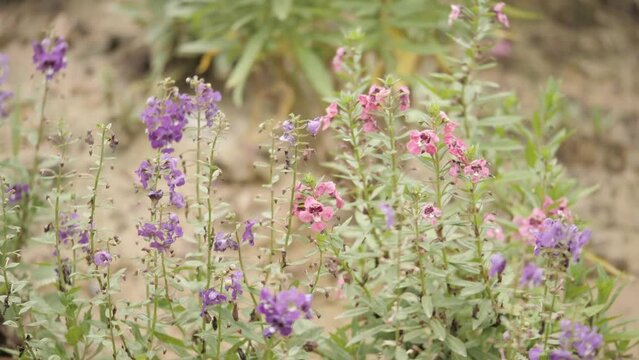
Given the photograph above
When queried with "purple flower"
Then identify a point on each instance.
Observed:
(174, 177)
(144, 173)
(283, 309)
(497, 265)
(16, 192)
(314, 126)
(535, 353)
(223, 241)
(207, 99)
(555, 235)
(561, 355)
(389, 213)
(102, 258)
(165, 120)
(234, 283)
(84, 240)
(68, 227)
(162, 236)
(575, 337)
(287, 136)
(49, 56)
(531, 275)
(248, 234)
(210, 297)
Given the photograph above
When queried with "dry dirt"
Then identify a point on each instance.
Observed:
(592, 49)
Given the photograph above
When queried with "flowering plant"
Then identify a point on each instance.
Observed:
(416, 231)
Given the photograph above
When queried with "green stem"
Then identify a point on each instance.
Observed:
(292, 196)
(94, 197)
(34, 170)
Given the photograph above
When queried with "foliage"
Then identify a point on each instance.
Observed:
(437, 241)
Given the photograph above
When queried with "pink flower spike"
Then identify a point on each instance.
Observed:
(338, 59)
(499, 13)
(431, 213)
(455, 11)
(477, 170)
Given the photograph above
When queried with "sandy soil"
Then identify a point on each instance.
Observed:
(593, 51)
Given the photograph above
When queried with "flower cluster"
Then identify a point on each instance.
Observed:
(165, 119)
(575, 339)
(283, 309)
(557, 235)
(234, 284)
(68, 227)
(162, 236)
(310, 210)
(288, 134)
(370, 103)
(50, 56)
(5, 95)
(421, 142)
(173, 176)
(528, 226)
(207, 100)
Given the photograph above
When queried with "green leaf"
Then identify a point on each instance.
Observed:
(455, 345)
(74, 335)
(500, 120)
(281, 8)
(438, 329)
(314, 69)
(531, 154)
(168, 339)
(427, 305)
(251, 51)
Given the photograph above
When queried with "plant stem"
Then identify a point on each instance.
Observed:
(292, 196)
(34, 170)
(92, 227)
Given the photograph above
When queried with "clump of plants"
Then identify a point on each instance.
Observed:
(441, 228)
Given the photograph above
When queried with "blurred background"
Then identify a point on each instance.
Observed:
(273, 57)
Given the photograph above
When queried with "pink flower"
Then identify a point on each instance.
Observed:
(502, 49)
(338, 59)
(431, 213)
(494, 230)
(527, 227)
(372, 102)
(455, 169)
(477, 170)
(456, 147)
(331, 112)
(422, 142)
(557, 209)
(315, 213)
(455, 11)
(499, 13)
(328, 188)
(404, 98)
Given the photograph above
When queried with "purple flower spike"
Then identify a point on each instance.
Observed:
(162, 236)
(248, 234)
(287, 136)
(206, 98)
(165, 120)
(497, 265)
(575, 337)
(283, 309)
(102, 258)
(50, 56)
